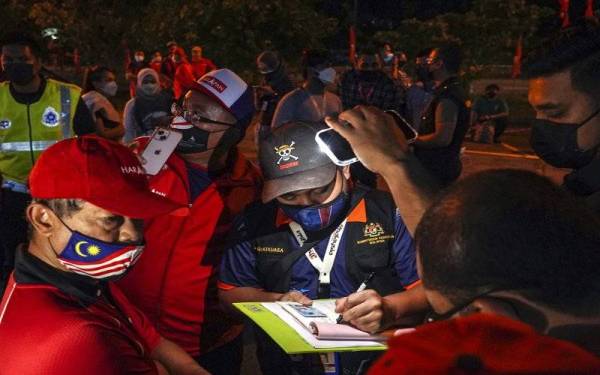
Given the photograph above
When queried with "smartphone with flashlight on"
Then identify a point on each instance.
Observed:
(335, 147)
(161, 146)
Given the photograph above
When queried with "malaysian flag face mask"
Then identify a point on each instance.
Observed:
(97, 259)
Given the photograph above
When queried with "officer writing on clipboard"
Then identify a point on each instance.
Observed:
(315, 236)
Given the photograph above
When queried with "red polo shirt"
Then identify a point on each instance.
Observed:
(55, 322)
(175, 281)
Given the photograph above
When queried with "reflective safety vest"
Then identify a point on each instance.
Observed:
(28, 129)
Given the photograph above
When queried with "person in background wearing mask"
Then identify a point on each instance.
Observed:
(201, 65)
(175, 282)
(311, 102)
(35, 113)
(316, 236)
(82, 237)
(133, 69)
(184, 74)
(420, 93)
(169, 67)
(156, 61)
(275, 85)
(99, 84)
(446, 121)
(387, 59)
(489, 107)
(564, 90)
(367, 84)
(398, 73)
(150, 108)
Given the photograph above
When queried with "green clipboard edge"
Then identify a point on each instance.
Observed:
(284, 335)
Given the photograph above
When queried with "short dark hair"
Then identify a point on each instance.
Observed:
(22, 38)
(312, 58)
(61, 207)
(93, 74)
(451, 55)
(576, 49)
(512, 230)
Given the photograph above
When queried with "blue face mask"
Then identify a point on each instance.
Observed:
(314, 218)
(97, 259)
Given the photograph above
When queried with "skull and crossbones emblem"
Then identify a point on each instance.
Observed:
(285, 153)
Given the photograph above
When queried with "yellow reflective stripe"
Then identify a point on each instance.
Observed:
(26, 146)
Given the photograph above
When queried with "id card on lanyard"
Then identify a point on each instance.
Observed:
(330, 361)
(325, 265)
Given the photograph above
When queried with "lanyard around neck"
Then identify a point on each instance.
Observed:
(325, 265)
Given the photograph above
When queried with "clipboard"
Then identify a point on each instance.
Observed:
(289, 338)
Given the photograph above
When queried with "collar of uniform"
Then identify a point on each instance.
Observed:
(31, 270)
(28, 98)
(357, 215)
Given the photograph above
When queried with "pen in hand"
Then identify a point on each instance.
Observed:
(362, 287)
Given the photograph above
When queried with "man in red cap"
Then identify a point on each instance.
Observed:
(60, 313)
(175, 282)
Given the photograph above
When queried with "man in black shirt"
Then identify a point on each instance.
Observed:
(446, 120)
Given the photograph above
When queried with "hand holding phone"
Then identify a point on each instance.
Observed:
(158, 150)
(335, 147)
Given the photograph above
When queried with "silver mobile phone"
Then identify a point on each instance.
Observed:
(158, 150)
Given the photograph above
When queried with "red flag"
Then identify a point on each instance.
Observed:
(352, 45)
(516, 68)
(127, 55)
(589, 9)
(76, 60)
(564, 12)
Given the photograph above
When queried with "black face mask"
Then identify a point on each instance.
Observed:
(19, 73)
(556, 143)
(490, 94)
(194, 140)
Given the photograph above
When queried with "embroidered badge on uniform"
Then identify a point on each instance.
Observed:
(286, 156)
(5, 124)
(374, 234)
(50, 118)
(373, 230)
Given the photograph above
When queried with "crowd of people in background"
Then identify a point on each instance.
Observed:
(109, 270)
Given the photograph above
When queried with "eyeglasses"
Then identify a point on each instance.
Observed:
(195, 117)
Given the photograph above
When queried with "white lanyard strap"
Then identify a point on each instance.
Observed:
(324, 265)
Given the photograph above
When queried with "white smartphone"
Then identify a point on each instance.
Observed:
(159, 149)
(335, 147)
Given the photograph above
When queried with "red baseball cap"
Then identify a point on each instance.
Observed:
(102, 172)
(482, 344)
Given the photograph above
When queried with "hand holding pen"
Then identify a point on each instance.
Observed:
(345, 304)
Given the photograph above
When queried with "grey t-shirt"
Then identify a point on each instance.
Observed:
(300, 105)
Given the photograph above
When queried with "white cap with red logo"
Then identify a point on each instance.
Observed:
(230, 90)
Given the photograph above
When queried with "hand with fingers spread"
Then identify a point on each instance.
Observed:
(364, 310)
(296, 296)
(373, 134)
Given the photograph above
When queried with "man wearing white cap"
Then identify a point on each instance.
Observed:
(175, 284)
